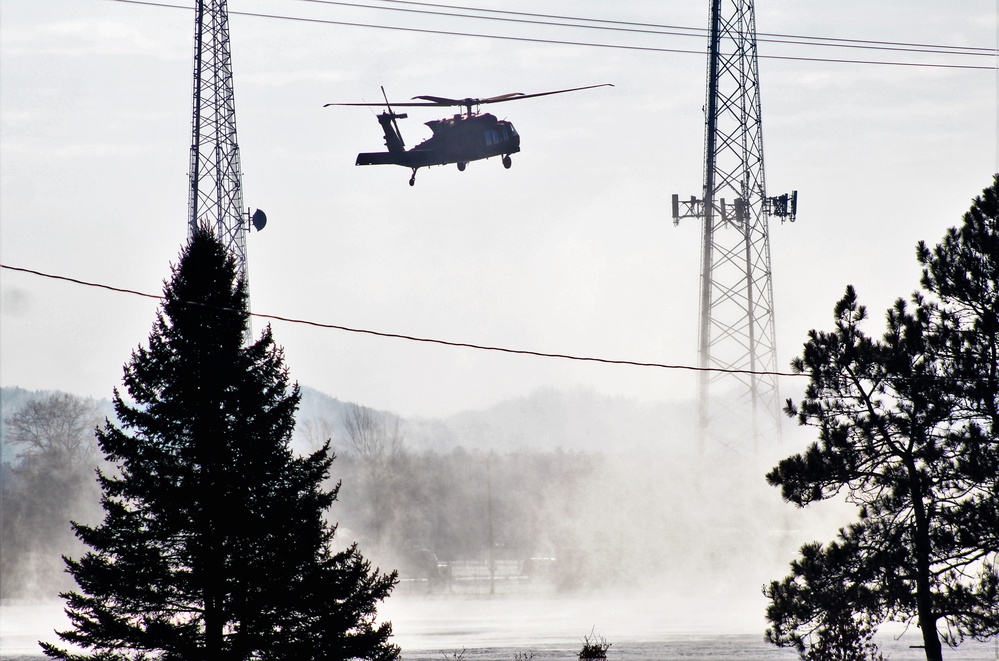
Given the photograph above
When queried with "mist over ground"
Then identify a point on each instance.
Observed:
(570, 491)
(576, 508)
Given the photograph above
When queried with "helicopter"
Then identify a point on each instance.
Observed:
(465, 137)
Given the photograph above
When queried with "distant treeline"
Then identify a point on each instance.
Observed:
(423, 512)
(571, 519)
(565, 519)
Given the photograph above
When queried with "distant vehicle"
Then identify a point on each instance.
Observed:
(460, 139)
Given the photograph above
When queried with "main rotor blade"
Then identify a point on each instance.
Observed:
(517, 96)
(382, 104)
(387, 104)
(395, 124)
(512, 96)
(428, 101)
(502, 97)
(443, 100)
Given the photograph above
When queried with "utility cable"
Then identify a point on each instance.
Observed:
(413, 338)
(702, 31)
(563, 42)
(660, 30)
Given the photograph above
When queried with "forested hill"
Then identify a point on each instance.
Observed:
(531, 477)
(545, 420)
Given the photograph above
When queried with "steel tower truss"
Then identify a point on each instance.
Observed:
(738, 401)
(216, 192)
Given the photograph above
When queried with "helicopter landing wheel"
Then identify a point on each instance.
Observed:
(507, 161)
(412, 180)
(461, 166)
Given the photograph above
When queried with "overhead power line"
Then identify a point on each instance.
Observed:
(912, 48)
(410, 338)
(699, 30)
(653, 28)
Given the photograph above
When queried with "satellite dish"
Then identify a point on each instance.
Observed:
(259, 219)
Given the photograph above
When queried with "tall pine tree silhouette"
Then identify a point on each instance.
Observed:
(214, 543)
(908, 430)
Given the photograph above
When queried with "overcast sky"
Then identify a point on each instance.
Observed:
(572, 250)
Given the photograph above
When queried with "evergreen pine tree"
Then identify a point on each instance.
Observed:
(907, 430)
(214, 544)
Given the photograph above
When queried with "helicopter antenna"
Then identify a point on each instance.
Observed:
(395, 124)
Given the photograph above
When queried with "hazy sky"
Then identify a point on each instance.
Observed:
(571, 251)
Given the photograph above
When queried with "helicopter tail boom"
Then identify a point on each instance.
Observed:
(415, 158)
(376, 158)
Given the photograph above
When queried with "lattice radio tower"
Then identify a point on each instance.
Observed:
(215, 197)
(738, 403)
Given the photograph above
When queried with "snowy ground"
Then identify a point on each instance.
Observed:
(437, 628)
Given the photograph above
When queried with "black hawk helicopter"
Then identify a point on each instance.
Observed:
(460, 139)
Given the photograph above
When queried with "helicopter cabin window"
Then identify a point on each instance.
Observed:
(492, 137)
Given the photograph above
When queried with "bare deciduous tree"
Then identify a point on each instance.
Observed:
(373, 436)
(59, 427)
(316, 431)
(52, 482)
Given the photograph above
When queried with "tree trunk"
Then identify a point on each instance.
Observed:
(208, 432)
(926, 613)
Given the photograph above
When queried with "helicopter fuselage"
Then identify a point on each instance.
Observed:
(459, 139)
(467, 137)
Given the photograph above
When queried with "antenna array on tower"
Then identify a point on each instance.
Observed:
(736, 328)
